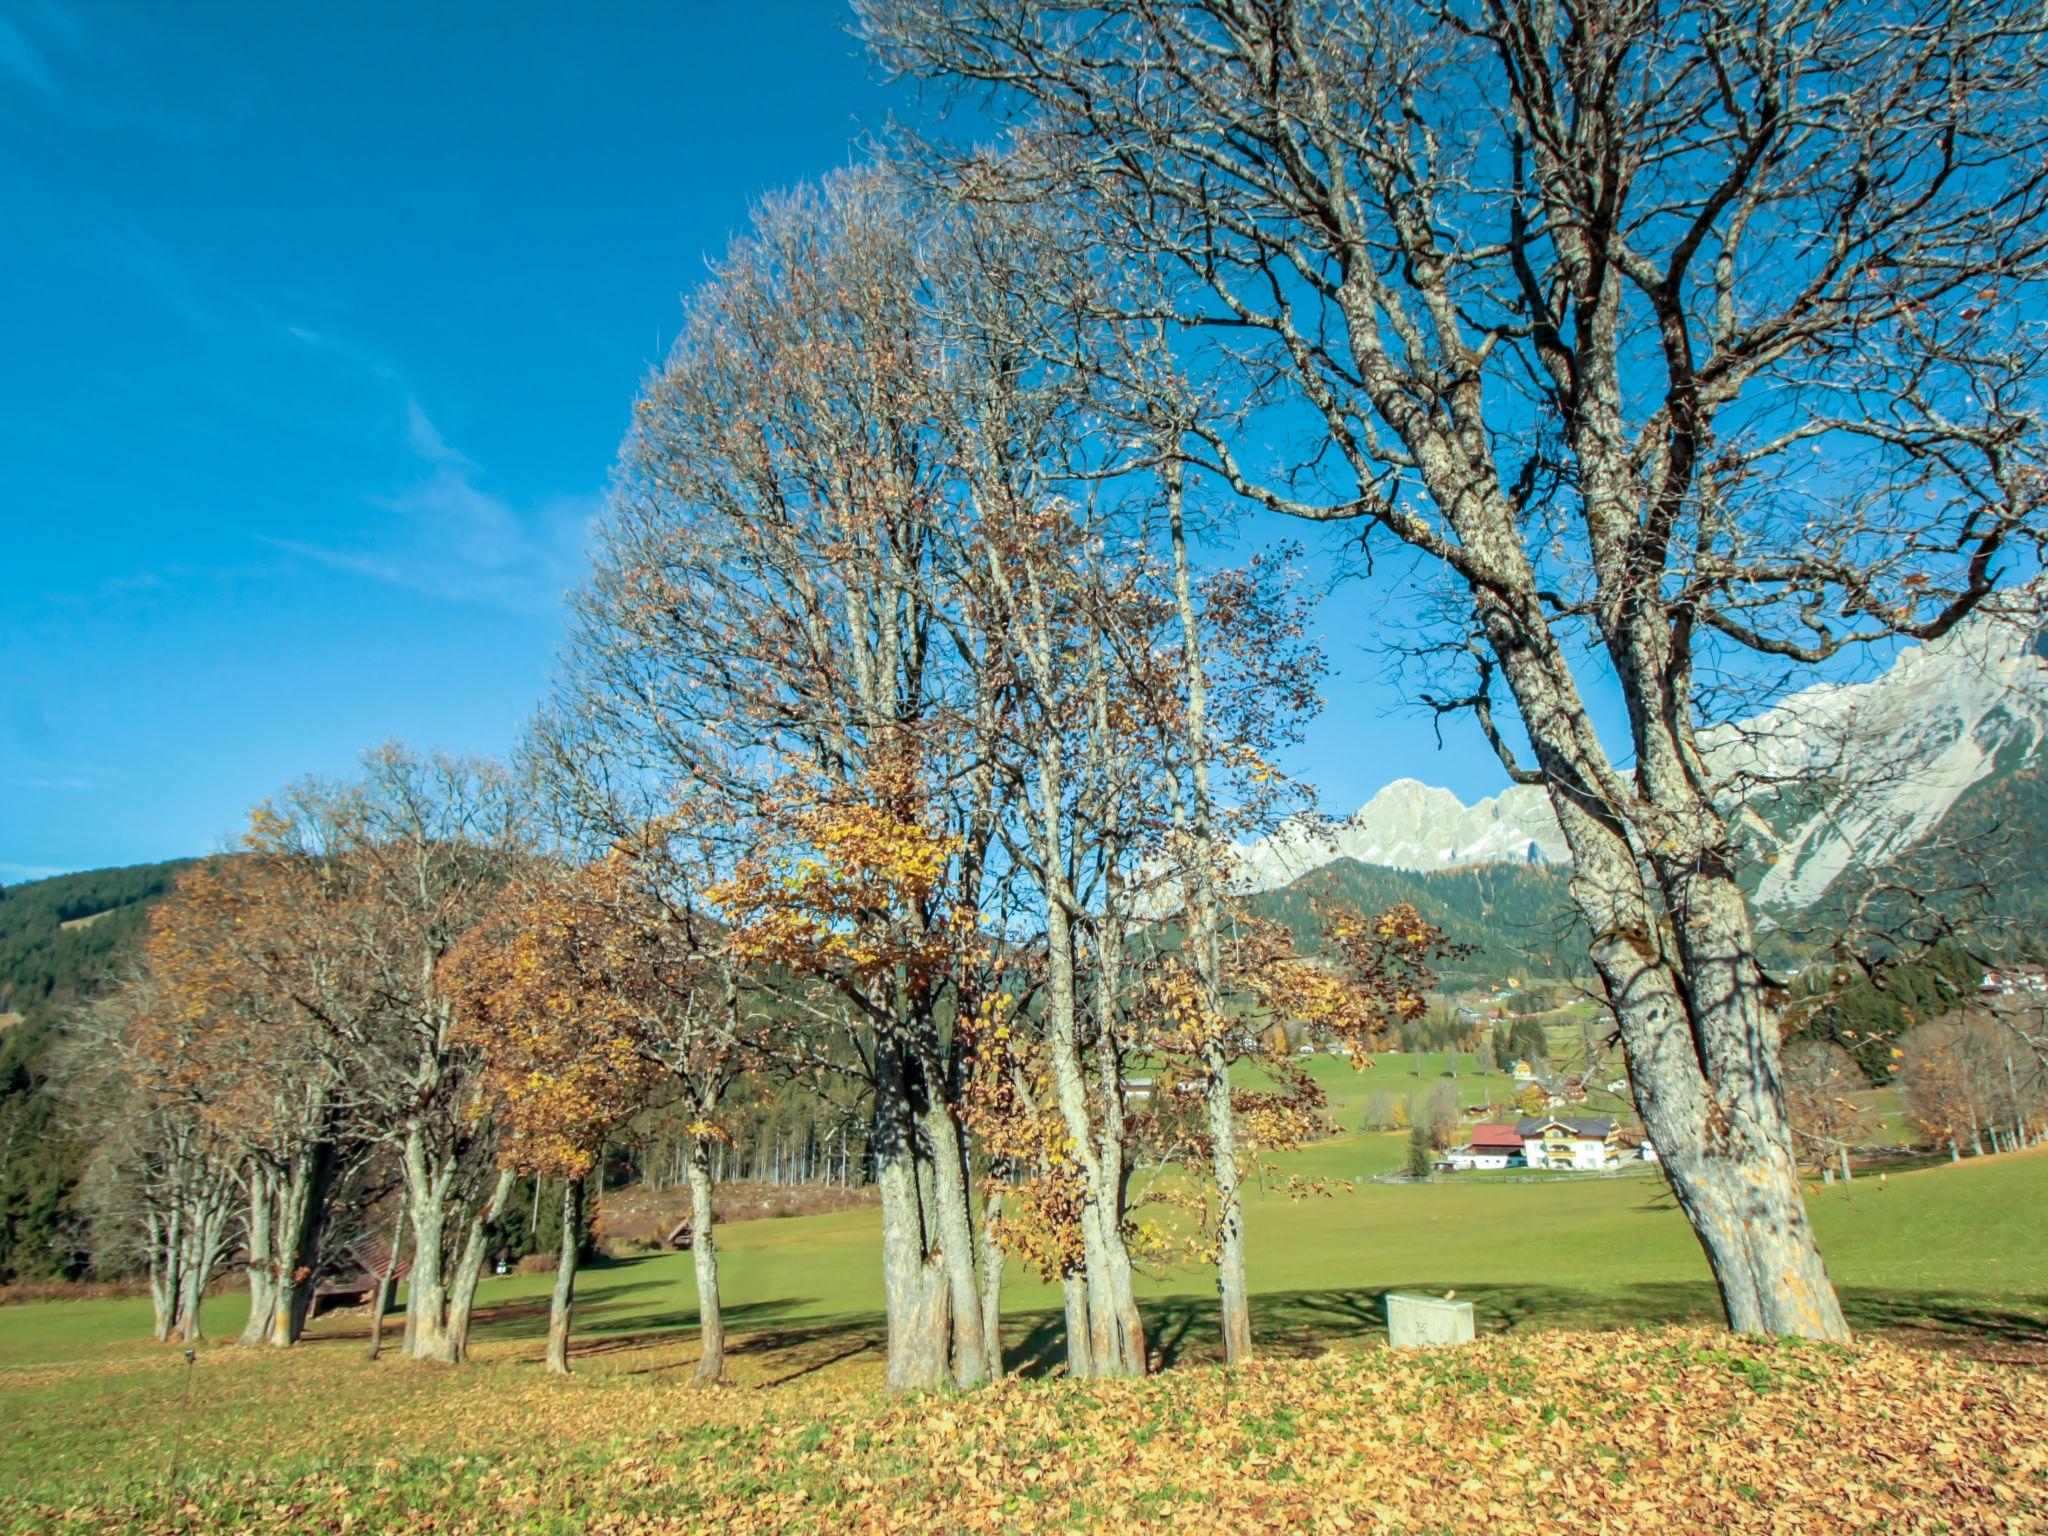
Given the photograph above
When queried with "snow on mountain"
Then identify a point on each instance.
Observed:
(1834, 775)
(1856, 774)
(1412, 825)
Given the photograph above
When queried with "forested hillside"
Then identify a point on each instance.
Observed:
(1515, 919)
(57, 938)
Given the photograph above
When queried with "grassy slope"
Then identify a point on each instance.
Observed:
(96, 1412)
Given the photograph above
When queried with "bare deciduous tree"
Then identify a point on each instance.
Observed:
(1675, 339)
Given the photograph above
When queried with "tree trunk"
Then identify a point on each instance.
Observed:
(262, 1273)
(919, 1343)
(192, 1294)
(387, 1283)
(564, 1297)
(1723, 1142)
(1204, 942)
(1113, 1350)
(704, 1253)
(915, 1284)
(164, 1286)
(954, 1231)
(426, 1291)
(203, 1230)
(1676, 951)
(298, 1240)
(1080, 1338)
(1232, 1290)
(470, 1269)
(992, 1276)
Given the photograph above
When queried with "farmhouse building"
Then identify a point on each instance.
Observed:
(1492, 1146)
(1569, 1141)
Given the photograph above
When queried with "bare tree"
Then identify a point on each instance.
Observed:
(1675, 340)
(1820, 1083)
(759, 638)
(163, 1178)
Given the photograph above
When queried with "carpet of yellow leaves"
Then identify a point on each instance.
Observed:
(1667, 1432)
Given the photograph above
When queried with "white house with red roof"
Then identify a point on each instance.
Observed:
(1491, 1146)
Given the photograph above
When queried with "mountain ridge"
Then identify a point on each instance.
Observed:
(1834, 777)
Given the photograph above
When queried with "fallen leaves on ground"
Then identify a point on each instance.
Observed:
(1667, 1432)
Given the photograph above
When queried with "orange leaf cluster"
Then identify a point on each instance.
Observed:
(542, 989)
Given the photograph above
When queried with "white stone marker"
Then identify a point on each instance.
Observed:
(1427, 1322)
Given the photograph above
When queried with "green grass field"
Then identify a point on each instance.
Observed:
(1947, 1248)
(1953, 1255)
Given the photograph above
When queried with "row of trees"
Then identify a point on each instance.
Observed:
(1967, 1081)
(397, 999)
(896, 753)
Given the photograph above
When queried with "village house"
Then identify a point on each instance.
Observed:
(1568, 1141)
(1491, 1146)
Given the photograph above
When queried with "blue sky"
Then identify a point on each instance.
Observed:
(320, 327)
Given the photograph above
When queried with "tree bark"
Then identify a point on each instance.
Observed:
(564, 1298)
(1205, 943)
(203, 1232)
(915, 1283)
(992, 1277)
(1080, 1338)
(469, 1270)
(1233, 1292)
(166, 1286)
(953, 1230)
(704, 1252)
(262, 1273)
(298, 1245)
(1115, 1347)
(387, 1283)
(426, 1291)
(1705, 1077)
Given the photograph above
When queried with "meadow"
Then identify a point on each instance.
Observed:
(110, 1432)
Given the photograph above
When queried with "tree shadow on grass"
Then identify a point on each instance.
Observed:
(1304, 1323)
(788, 1342)
(1185, 1329)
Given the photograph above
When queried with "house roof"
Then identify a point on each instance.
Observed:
(1500, 1135)
(1592, 1127)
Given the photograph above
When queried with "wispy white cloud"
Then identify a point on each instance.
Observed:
(365, 360)
(427, 443)
(109, 70)
(178, 284)
(445, 536)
